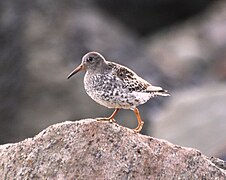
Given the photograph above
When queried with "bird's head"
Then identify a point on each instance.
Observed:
(90, 61)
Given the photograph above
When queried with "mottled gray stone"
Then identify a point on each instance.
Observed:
(88, 149)
(196, 118)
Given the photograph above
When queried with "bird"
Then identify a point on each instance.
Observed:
(115, 86)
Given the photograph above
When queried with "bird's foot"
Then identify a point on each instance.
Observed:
(106, 119)
(139, 127)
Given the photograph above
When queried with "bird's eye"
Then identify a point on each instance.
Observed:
(89, 59)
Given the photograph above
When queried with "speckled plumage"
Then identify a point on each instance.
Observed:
(114, 85)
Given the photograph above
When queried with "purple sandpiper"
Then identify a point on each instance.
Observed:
(115, 86)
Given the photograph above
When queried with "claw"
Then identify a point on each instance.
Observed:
(139, 127)
(111, 118)
(106, 119)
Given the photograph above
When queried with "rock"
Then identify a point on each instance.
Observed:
(12, 67)
(193, 54)
(146, 17)
(88, 149)
(194, 51)
(196, 118)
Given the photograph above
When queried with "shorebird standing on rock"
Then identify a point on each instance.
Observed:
(115, 86)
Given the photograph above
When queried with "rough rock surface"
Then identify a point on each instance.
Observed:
(88, 149)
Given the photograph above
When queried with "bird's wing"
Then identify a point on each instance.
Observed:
(130, 80)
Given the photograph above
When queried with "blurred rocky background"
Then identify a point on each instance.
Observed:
(180, 46)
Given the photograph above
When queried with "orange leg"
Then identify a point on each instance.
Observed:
(110, 118)
(140, 122)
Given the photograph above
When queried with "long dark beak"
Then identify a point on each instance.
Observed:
(79, 68)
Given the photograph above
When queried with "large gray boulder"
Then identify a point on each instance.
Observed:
(88, 149)
(196, 118)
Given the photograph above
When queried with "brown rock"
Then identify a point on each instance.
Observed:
(89, 149)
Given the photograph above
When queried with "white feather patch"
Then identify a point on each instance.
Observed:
(154, 88)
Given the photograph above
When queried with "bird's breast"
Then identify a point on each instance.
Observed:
(97, 84)
(102, 88)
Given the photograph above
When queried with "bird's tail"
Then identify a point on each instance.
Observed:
(157, 91)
